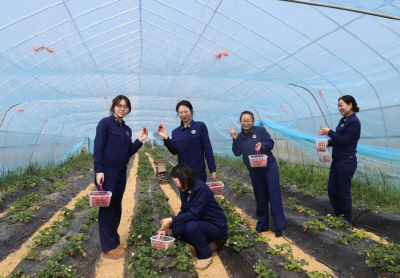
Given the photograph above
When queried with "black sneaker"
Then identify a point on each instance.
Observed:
(260, 231)
(279, 233)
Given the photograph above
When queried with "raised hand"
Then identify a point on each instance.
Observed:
(143, 135)
(232, 133)
(162, 132)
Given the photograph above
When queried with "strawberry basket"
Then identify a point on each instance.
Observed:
(161, 241)
(100, 198)
(217, 187)
(321, 144)
(258, 160)
(324, 157)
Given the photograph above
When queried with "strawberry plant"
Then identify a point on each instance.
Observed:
(23, 216)
(262, 270)
(32, 255)
(19, 273)
(344, 238)
(360, 234)
(66, 214)
(337, 223)
(295, 265)
(262, 239)
(46, 237)
(239, 187)
(317, 274)
(384, 256)
(283, 250)
(25, 202)
(314, 225)
(239, 242)
(55, 269)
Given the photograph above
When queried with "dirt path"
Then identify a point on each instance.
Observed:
(12, 260)
(115, 268)
(314, 265)
(216, 269)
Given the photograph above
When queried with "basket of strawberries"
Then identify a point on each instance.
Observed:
(217, 187)
(258, 160)
(100, 198)
(162, 241)
(321, 144)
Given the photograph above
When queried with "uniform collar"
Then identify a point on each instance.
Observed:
(250, 132)
(188, 126)
(117, 122)
(349, 117)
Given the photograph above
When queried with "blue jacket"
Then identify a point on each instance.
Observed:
(245, 144)
(113, 145)
(344, 141)
(191, 144)
(198, 203)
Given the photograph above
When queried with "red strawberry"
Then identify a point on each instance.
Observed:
(144, 129)
(72, 254)
(160, 126)
(305, 230)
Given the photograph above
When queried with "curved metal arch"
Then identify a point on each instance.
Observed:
(338, 7)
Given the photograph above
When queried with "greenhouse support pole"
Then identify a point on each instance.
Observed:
(52, 158)
(218, 138)
(72, 142)
(350, 9)
(315, 101)
(37, 138)
(2, 120)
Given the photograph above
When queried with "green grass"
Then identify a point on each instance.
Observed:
(368, 192)
(22, 178)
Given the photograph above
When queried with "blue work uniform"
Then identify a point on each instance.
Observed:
(112, 149)
(344, 163)
(201, 220)
(265, 180)
(191, 144)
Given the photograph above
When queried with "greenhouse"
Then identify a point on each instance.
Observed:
(290, 63)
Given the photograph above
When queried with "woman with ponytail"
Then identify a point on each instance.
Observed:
(344, 160)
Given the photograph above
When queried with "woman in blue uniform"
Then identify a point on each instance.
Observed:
(344, 160)
(190, 142)
(113, 147)
(265, 180)
(201, 220)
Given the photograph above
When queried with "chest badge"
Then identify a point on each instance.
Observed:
(127, 133)
(254, 136)
(342, 125)
(193, 131)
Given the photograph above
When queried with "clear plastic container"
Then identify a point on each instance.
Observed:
(258, 160)
(162, 242)
(217, 187)
(100, 198)
(324, 157)
(321, 144)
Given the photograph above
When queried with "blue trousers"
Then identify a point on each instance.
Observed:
(110, 217)
(266, 188)
(340, 175)
(199, 234)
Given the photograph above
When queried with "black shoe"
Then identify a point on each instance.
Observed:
(279, 233)
(260, 231)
